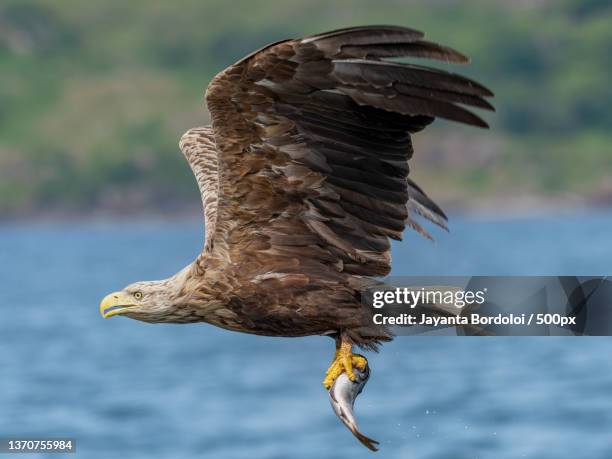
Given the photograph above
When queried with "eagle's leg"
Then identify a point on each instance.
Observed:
(344, 361)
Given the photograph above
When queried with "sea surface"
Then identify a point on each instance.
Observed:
(126, 389)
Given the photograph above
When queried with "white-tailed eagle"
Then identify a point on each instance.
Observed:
(304, 180)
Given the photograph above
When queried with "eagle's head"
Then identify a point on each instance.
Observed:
(148, 301)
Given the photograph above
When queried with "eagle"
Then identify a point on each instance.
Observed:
(304, 180)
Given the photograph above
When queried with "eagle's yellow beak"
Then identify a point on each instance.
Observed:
(115, 303)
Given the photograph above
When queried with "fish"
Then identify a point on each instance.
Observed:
(342, 396)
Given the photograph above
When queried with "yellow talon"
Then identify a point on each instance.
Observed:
(344, 361)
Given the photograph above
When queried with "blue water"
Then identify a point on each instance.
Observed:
(129, 389)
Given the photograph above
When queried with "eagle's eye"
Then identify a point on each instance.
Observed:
(138, 295)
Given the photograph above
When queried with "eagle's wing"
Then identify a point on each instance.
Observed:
(198, 147)
(313, 141)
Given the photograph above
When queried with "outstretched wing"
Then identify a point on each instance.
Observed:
(313, 141)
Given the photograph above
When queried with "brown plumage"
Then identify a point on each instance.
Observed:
(304, 179)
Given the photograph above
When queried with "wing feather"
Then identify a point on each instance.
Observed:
(313, 138)
(198, 147)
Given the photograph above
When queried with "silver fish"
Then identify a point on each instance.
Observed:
(342, 397)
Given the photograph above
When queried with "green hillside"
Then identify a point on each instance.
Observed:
(94, 95)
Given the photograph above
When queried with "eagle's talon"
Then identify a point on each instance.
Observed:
(359, 361)
(344, 361)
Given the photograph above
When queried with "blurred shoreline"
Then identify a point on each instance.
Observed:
(95, 96)
(506, 208)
